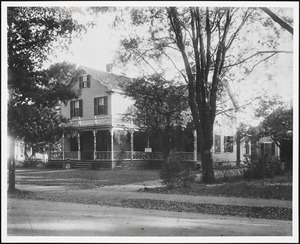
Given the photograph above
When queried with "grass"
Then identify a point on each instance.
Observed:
(275, 188)
(84, 178)
(279, 187)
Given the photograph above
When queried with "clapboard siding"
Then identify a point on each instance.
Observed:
(88, 95)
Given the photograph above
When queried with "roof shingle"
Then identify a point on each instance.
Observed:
(109, 80)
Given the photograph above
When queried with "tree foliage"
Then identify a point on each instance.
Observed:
(158, 107)
(207, 47)
(277, 19)
(34, 93)
(267, 105)
(278, 125)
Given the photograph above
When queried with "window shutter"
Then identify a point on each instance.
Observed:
(71, 109)
(88, 81)
(80, 108)
(105, 106)
(80, 82)
(95, 106)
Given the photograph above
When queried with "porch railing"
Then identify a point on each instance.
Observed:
(56, 155)
(106, 120)
(103, 155)
(123, 155)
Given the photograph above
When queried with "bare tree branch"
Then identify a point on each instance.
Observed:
(278, 20)
(239, 107)
(253, 55)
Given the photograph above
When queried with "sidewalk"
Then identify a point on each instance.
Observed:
(118, 193)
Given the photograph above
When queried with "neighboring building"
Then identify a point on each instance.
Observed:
(104, 139)
(225, 146)
(19, 153)
(265, 146)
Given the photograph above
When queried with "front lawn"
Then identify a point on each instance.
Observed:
(279, 187)
(84, 178)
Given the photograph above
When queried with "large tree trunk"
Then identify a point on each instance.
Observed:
(11, 166)
(205, 142)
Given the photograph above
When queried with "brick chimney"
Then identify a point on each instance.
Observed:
(109, 68)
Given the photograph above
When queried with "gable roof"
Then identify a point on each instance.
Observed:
(109, 80)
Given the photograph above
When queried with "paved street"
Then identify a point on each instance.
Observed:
(44, 218)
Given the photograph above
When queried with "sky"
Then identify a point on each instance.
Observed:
(94, 49)
(98, 47)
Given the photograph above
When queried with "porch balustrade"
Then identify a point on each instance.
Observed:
(155, 156)
(103, 155)
(123, 155)
(185, 156)
(107, 120)
(56, 155)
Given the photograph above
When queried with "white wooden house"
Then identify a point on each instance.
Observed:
(101, 129)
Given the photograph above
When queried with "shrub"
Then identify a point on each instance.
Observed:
(264, 166)
(176, 174)
(31, 163)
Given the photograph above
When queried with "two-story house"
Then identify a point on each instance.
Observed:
(104, 139)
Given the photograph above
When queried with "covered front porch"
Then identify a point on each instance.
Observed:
(119, 146)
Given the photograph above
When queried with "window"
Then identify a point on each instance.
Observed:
(268, 148)
(217, 144)
(228, 144)
(247, 147)
(100, 106)
(76, 108)
(84, 81)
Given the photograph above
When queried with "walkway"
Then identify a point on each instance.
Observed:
(118, 193)
(50, 218)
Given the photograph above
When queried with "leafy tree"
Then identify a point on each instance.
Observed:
(32, 34)
(278, 125)
(267, 105)
(43, 125)
(159, 107)
(207, 47)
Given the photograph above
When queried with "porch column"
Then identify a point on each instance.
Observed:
(78, 142)
(131, 145)
(95, 143)
(112, 144)
(195, 145)
(63, 146)
(250, 152)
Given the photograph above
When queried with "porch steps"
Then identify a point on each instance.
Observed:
(83, 165)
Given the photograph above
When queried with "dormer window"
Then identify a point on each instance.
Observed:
(84, 81)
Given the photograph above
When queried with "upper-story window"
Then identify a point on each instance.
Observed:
(76, 108)
(228, 143)
(100, 106)
(84, 81)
